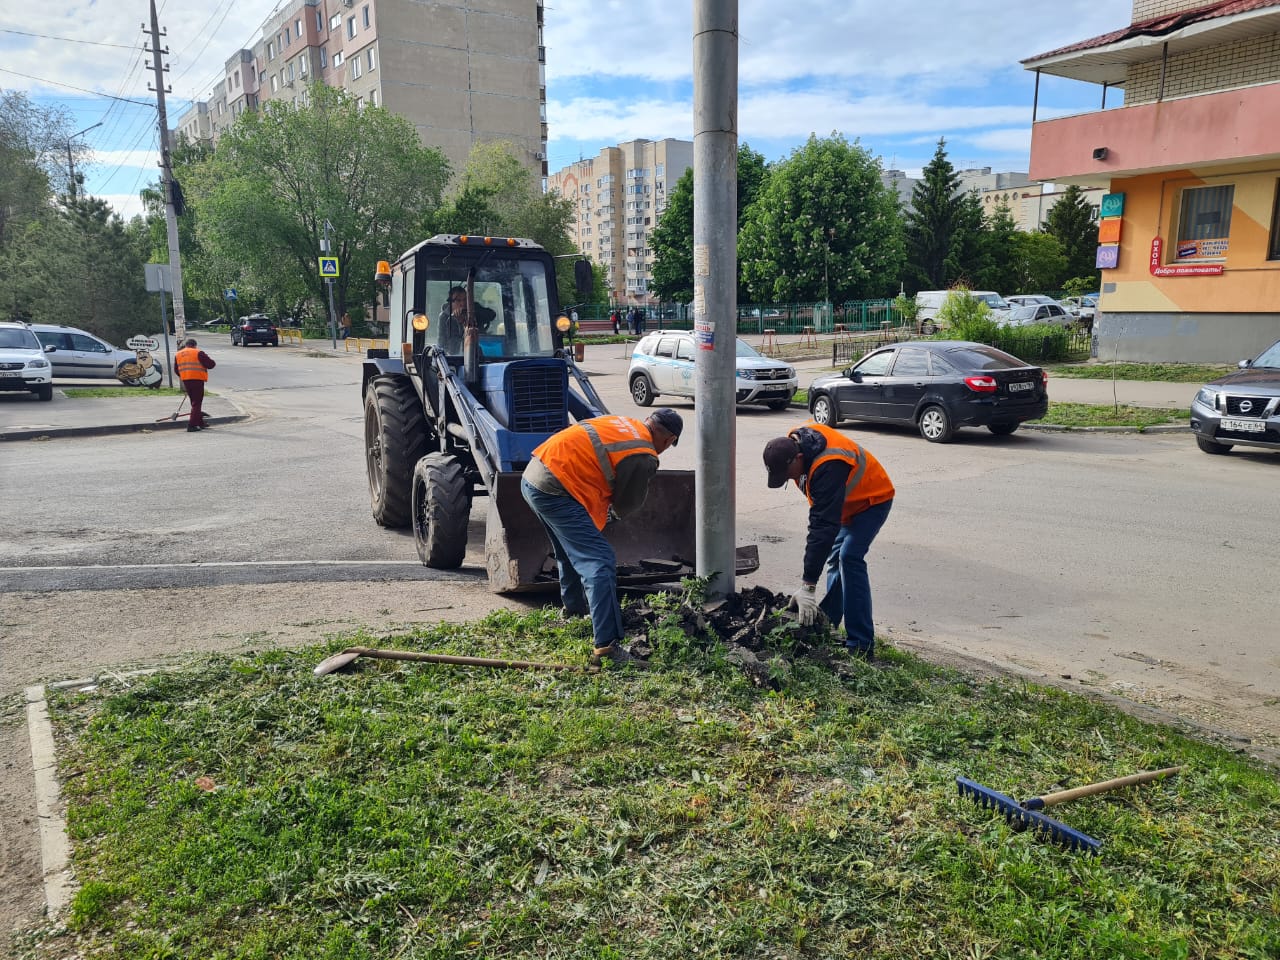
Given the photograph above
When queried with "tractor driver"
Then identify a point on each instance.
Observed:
(453, 319)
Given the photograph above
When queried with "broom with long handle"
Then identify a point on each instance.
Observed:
(1027, 815)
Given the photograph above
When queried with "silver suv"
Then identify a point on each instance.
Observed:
(23, 364)
(663, 365)
(1242, 407)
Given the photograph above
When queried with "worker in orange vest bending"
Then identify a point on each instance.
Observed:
(850, 496)
(576, 481)
(193, 367)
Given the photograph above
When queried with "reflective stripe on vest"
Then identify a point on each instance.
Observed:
(585, 457)
(189, 366)
(868, 483)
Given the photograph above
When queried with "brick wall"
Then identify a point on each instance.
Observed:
(1146, 9)
(1203, 71)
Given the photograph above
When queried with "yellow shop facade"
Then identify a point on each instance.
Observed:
(1189, 234)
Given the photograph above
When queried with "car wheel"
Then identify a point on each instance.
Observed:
(1002, 429)
(642, 390)
(1210, 446)
(935, 424)
(441, 511)
(779, 404)
(823, 412)
(45, 391)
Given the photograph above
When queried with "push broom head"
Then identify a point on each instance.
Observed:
(1021, 818)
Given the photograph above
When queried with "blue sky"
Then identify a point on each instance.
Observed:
(894, 77)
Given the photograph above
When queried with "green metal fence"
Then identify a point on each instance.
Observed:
(756, 318)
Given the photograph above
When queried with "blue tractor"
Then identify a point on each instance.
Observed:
(480, 371)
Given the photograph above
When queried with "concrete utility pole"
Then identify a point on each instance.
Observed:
(715, 283)
(166, 179)
(71, 161)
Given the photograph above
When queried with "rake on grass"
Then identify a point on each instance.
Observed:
(340, 660)
(1027, 814)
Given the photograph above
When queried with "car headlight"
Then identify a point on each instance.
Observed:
(744, 374)
(38, 364)
(1208, 397)
(791, 372)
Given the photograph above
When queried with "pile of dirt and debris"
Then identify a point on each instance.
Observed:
(760, 635)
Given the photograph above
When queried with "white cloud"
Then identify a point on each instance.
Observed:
(126, 204)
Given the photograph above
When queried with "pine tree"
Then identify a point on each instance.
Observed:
(931, 224)
(1071, 221)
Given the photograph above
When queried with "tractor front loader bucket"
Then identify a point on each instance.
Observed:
(657, 544)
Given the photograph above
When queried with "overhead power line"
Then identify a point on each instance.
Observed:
(92, 93)
(45, 36)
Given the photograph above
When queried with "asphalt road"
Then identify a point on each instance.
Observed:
(1131, 563)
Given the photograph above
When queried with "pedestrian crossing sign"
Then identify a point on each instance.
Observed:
(328, 268)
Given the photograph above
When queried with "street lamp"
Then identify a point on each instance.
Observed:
(71, 163)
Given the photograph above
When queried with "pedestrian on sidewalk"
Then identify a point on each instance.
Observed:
(850, 496)
(193, 366)
(576, 483)
(344, 326)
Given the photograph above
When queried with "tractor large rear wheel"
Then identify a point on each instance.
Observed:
(441, 511)
(395, 439)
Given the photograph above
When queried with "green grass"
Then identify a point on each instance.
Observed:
(80, 393)
(1111, 415)
(1167, 372)
(417, 811)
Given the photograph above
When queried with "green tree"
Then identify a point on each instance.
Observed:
(998, 239)
(1071, 221)
(966, 254)
(672, 244)
(823, 227)
(672, 238)
(499, 196)
(932, 222)
(279, 174)
(1036, 262)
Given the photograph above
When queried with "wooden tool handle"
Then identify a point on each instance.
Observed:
(1062, 796)
(413, 655)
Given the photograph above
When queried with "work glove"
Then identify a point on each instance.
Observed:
(805, 603)
(611, 517)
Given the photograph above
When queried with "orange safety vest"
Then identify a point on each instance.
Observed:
(584, 458)
(189, 365)
(868, 484)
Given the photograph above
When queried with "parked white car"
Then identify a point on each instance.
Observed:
(79, 354)
(663, 365)
(24, 363)
(1053, 314)
(930, 302)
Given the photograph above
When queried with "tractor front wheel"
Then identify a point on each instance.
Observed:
(441, 511)
(395, 438)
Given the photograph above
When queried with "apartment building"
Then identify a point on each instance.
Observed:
(1189, 235)
(461, 71)
(1029, 203)
(618, 197)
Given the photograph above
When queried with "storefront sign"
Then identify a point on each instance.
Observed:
(1112, 205)
(1158, 269)
(1109, 230)
(1108, 258)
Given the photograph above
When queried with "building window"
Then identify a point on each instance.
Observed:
(1204, 222)
(335, 22)
(324, 58)
(297, 28)
(289, 73)
(365, 13)
(319, 20)
(337, 59)
(355, 68)
(373, 98)
(302, 65)
(286, 36)
(274, 84)
(370, 59)
(351, 27)
(270, 51)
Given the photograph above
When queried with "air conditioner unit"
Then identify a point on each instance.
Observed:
(539, 155)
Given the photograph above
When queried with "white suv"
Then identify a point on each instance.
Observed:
(82, 355)
(663, 365)
(23, 364)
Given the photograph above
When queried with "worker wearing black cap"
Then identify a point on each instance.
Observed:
(850, 496)
(576, 481)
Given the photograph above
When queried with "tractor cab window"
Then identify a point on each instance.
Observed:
(512, 311)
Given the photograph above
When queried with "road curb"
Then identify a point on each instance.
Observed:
(55, 847)
(107, 429)
(1154, 428)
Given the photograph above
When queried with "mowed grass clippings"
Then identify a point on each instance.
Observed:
(246, 808)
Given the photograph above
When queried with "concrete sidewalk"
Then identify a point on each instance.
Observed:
(23, 418)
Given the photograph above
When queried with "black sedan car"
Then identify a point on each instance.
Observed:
(936, 386)
(1242, 407)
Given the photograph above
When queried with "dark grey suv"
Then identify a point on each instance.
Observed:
(255, 328)
(1242, 407)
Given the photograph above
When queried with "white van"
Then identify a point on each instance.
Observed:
(931, 301)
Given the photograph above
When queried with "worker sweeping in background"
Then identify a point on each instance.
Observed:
(193, 366)
(576, 480)
(850, 496)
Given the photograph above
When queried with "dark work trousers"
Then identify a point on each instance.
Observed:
(195, 393)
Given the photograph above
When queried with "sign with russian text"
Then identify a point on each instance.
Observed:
(1158, 269)
(140, 342)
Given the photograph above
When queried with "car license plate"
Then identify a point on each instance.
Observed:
(1015, 387)
(1244, 426)
(10, 373)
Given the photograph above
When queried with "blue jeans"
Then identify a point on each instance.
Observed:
(848, 586)
(587, 564)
